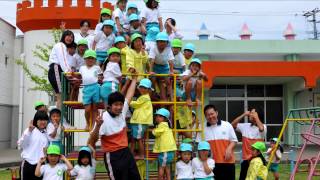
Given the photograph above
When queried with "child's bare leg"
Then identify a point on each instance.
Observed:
(169, 88)
(58, 96)
(188, 92)
(187, 135)
(198, 91)
(141, 148)
(132, 144)
(94, 114)
(168, 174)
(87, 114)
(276, 175)
(161, 173)
(163, 93)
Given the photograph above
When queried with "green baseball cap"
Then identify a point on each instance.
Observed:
(53, 149)
(82, 42)
(105, 11)
(37, 104)
(176, 43)
(90, 53)
(135, 36)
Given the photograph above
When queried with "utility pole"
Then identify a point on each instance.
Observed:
(313, 14)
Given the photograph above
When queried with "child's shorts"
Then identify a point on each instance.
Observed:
(207, 178)
(138, 130)
(101, 56)
(193, 95)
(274, 167)
(107, 88)
(179, 70)
(91, 94)
(165, 158)
(161, 69)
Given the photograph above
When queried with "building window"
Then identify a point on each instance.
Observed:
(232, 100)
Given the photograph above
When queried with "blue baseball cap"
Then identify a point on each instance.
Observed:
(185, 147)
(163, 112)
(85, 148)
(189, 46)
(119, 39)
(203, 145)
(145, 83)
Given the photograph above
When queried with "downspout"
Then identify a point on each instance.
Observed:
(21, 89)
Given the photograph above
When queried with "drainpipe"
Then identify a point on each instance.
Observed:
(21, 89)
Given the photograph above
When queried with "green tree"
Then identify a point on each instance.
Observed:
(42, 52)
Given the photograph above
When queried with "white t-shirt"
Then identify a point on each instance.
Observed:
(250, 131)
(120, 14)
(84, 172)
(103, 42)
(112, 72)
(89, 38)
(79, 61)
(50, 129)
(32, 145)
(71, 61)
(277, 157)
(53, 173)
(98, 28)
(198, 169)
(151, 15)
(175, 35)
(161, 58)
(150, 45)
(179, 61)
(58, 56)
(183, 170)
(89, 75)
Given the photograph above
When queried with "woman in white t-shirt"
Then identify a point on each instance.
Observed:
(58, 63)
(84, 33)
(33, 143)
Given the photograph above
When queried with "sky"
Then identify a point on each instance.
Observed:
(265, 19)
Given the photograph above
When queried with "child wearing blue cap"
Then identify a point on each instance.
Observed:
(203, 165)
(188, 52)
(274, 167)
(86, 167)
(164, 143)
(184, 165)
(135, 25)
(104, 40)
(161, 62)
(193, 81)
(142, 116)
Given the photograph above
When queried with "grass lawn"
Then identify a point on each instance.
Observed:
(284, 172)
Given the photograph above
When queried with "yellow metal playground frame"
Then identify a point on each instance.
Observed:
(291, 117)
(175, 103)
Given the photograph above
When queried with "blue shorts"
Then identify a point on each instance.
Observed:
(193, 95)
(161, 69)
(207, 178)
(91, 94)
(101, 56)
(274, 167)
(107, 88)
(165, 158)
(180, 70)
(138, 130)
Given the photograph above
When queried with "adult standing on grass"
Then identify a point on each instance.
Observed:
(111, 127)
(252, 132)
(222, 139)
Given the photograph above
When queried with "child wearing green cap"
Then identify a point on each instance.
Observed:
(111, 74)
(91, 89)
(53, 169)
(178, 64)
(184, 166)
(203, 165)
(40, 106)
(142, 116)
(105, 14)
(104, 40)
(258, 165)
(193, 81)
(164, 143)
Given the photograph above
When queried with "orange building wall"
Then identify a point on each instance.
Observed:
(42, 18)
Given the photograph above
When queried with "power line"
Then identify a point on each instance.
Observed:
(313, 13)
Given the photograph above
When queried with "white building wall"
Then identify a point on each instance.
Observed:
(7, 92)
